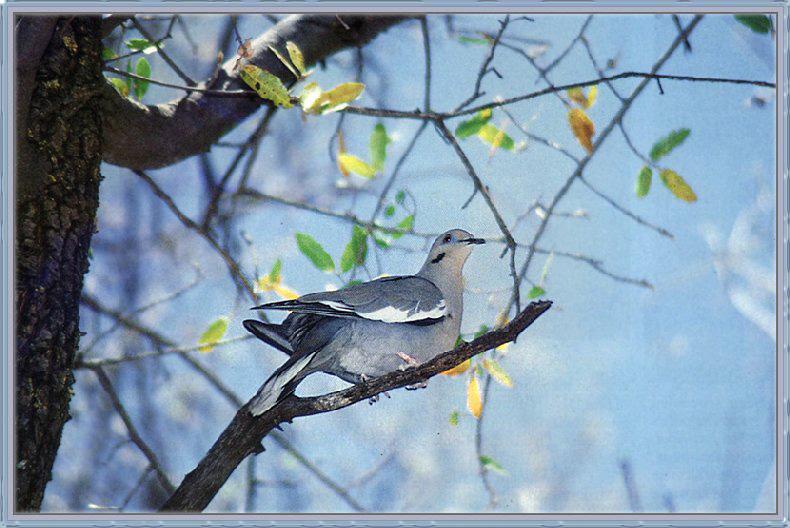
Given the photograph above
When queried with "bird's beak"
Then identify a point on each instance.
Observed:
(474, 241)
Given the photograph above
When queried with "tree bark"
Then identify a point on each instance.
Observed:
(59, 146)
(243, 436)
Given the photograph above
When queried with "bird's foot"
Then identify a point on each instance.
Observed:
(408, 360)
(420, 385)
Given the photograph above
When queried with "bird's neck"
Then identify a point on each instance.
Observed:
(449, 281)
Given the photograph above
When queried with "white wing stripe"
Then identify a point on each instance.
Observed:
(390, 314)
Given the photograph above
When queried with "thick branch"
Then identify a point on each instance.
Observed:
(244, 434)
(144, 137)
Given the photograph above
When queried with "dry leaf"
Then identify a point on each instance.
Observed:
(582, 127)
(474, 401)
(458, 369)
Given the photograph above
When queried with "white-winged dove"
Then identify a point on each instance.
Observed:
(369, 329)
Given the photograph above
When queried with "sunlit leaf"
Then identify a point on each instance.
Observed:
(495, 137)
(313, 251)
(757, 23)
(382, 240)
(122, 85)
(472, 126)
(407, 224)
(536, 292)
(356, 250)
(274, 274)
(335, 99)
(643, 181)
(582, 127)
(592, 96)
(378, 147)
(353, 164)
(491, 464)
(389, 211)
(296, 57)
(245, 49)
(141, 44)
(107, 54)
(454, 416)
(285, 61)
(213, 334)
(497, 372)
(665, 145)
(143, 69)
(585, 100)
(678, 186)
(458, 369)
(266, 85)
(474, 400)
(265, 284)
(309, 98)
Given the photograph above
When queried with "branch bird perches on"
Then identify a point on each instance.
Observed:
(244, 434)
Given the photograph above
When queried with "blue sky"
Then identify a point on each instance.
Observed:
(678, 380)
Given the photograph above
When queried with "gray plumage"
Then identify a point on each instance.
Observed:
(369, 329)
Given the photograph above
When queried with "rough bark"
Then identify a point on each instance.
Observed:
(57, 181)
(143, 137)
(244, 434)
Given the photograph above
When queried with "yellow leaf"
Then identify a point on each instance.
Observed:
(458, 369)
(582, 127)
(266, 85)
(474, 401)
(678, 186)
(285, 292)
(353, 164)
(497, 372)
(338, 97)
(265, 284)
(296, 56)
(577, 95)
(592, 95)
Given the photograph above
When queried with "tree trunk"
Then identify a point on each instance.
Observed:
(59, 150)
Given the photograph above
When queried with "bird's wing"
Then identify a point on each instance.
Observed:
(405, 299)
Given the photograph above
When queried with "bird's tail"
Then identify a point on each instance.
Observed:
(280, 384)
(273, 334)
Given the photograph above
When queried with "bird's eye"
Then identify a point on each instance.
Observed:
(447, 238)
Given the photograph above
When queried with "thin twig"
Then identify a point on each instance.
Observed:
(165, 57)
(153, 461)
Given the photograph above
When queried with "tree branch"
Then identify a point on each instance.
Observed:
(144, 137)
(243, 435)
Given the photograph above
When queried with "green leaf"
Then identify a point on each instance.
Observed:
(480, 331)
(497, 372)
(491, 464)
(473, 126)
(389, 211)
(356, 250)
(643, 181)
(296, 56)
(757, 23)
(678, 186)
(107, 54)
(496, 137)
(266, 85)
(274, 274)
(378, 147)
(472, 40)
(213, 334)
(285, 62)
(407, 224)
(351, 163)
(141, 44)
(536, 292)
(353, 282)
(383, 241)
(309, 98)
(122, 85)
(400, 197)
(454, 418)
(143, 69)
(665, 145)
(313, 251)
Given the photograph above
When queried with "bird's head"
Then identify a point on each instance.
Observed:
(452, 248)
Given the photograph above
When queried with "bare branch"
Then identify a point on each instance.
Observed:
(245, 432)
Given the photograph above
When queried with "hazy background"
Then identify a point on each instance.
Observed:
(677, 383)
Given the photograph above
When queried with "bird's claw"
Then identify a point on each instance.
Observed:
(408, 360)
(420, 385)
